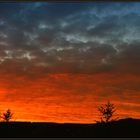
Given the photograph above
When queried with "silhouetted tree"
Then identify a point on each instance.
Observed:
(107, 111)
(7, 116)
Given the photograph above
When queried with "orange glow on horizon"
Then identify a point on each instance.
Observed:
(71, 98)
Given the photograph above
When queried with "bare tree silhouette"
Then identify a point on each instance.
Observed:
(7, 116)
(107, 111)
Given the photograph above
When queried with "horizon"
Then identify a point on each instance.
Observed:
(117, 120)
(60, 61)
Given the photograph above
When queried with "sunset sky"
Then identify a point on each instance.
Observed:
(60, 61)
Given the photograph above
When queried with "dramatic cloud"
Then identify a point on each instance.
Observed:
(59, 55)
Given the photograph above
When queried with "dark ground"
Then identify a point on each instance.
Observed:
(128, 128)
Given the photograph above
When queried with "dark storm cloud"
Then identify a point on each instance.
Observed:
(72, 37)
(128, 58)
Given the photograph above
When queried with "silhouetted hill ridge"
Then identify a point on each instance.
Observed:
(122, 128)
